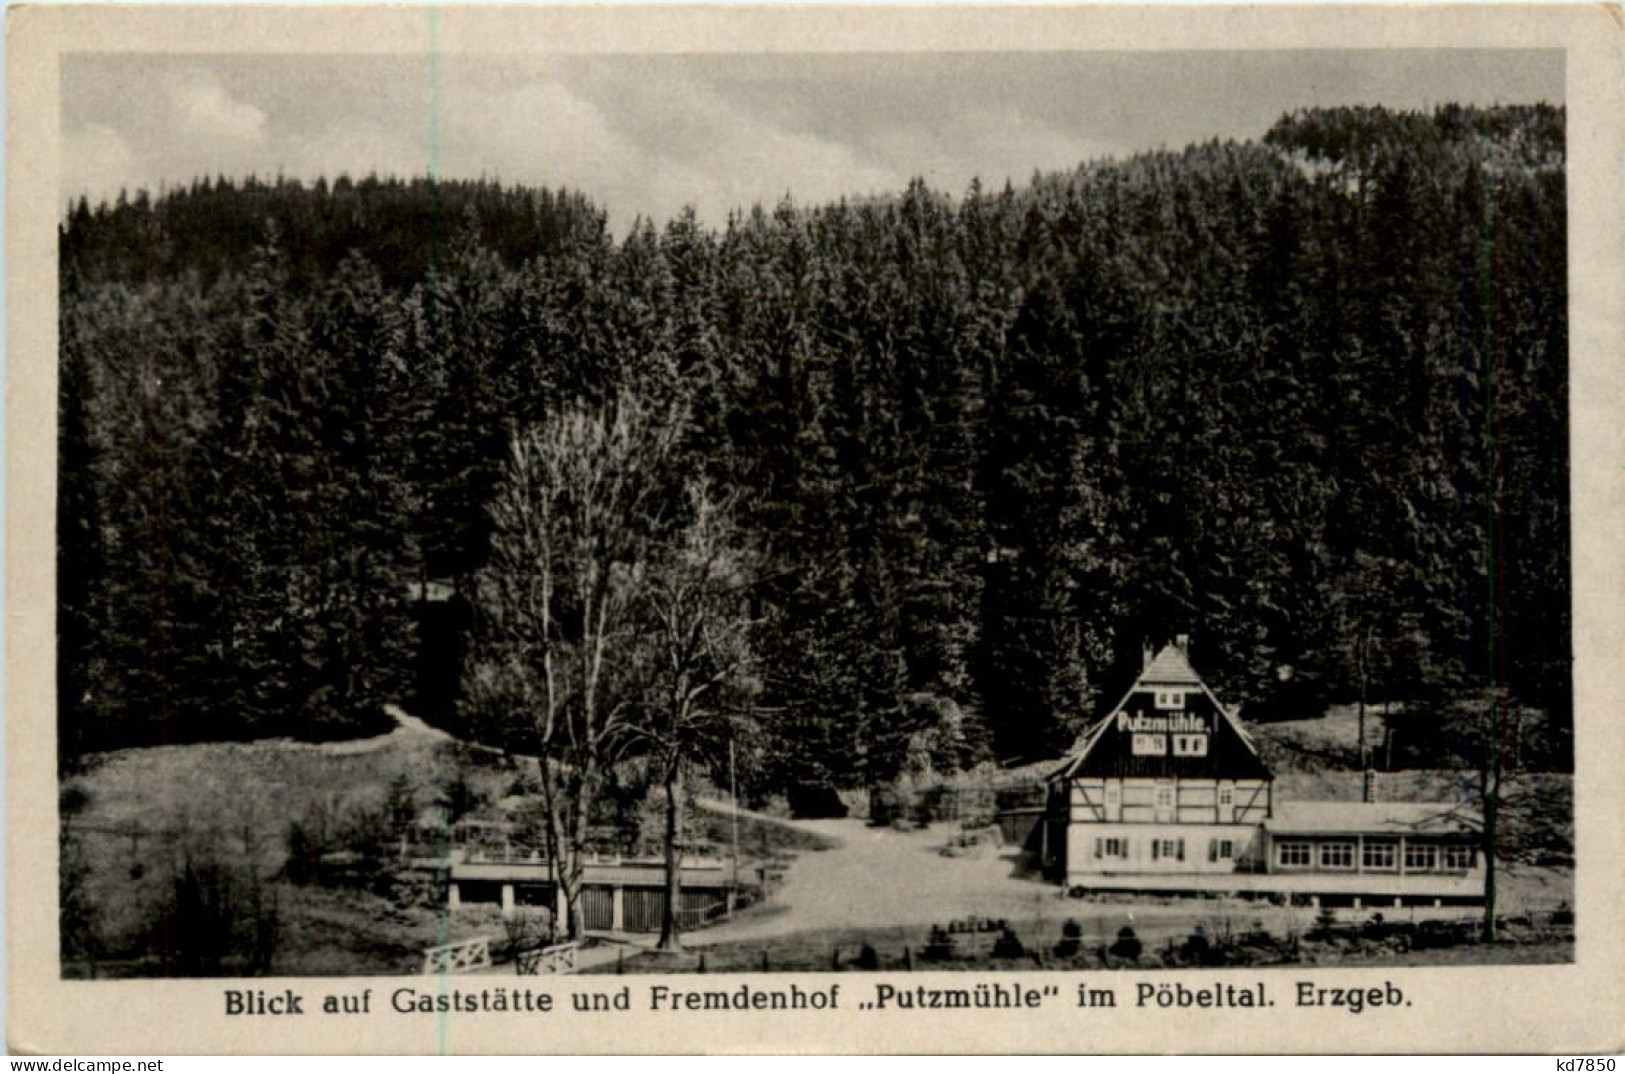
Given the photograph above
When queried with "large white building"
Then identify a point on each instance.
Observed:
(1168, 793)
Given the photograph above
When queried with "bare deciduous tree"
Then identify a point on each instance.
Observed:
(572, 527)
(697, 663)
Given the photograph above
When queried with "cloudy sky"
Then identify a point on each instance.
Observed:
(649, 134)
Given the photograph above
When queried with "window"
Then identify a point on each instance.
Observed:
(1293, 854)
(1111, 848)
(1378, 856)
(1421, 857)
(1459, 857)
(1337, 855)
(1150, 745)
(1171, 849)
(1170, 699)
(1227, 796)
(1220, 850)
(1165, 797)
(1190, 745)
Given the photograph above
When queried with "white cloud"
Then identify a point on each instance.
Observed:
(636, 139)
(203, 110)
(95, 158)
(647, 147)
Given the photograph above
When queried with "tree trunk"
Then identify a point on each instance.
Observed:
(670, 927)
(1491, 796)
(564, 854)
(1387, 740)
(577, 852)
(1362, 653)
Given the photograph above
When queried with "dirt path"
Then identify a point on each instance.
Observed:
(877, 877)
(883, 878)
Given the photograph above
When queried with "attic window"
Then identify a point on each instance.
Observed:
(1170, 699)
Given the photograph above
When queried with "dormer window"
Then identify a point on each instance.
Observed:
(1170, 699)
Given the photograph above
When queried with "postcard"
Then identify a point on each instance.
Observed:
(844, 529)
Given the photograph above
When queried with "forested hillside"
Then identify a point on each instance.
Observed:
(1303, 398)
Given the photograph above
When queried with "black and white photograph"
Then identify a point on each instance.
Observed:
(1042, 515)
(650, 514)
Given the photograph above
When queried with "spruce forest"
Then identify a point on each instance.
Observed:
(1302, 398)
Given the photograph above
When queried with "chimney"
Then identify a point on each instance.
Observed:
(1182, 642)
(1148, 653)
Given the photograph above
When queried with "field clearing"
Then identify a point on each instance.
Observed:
(138, 818)
(142, 818)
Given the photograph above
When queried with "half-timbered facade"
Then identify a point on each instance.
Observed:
(1168, 792)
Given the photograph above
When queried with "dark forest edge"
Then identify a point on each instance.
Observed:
(1304, 398)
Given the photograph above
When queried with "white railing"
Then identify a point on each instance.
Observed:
(458, 957)
(559, 958)
(524, 856)
(697, 916)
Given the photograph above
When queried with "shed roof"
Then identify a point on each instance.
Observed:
(1371, 818)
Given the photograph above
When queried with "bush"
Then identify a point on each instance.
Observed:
(1259, 936)
(1127, 945)
(1197, 948)
(1071, 940)
(867, 958)
(940, 946)
(409, 888)
(526, 929)
(460, 795)
(216, 920)
(815, 801)
(304, 853)
(1008, 945)
(1437, 934)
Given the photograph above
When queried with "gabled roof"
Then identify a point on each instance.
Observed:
(1170, 667)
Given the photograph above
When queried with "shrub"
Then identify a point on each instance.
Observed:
(815, 801)
(1197, 948)
(1127, 945)
(400, 804)
(525, 929)
(1008, 945)
(304, 853)
(1071, 940)
(460, 795)
(216, 919)
(867, 958)
(941, 945)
